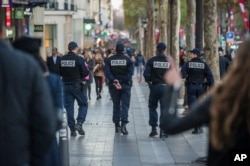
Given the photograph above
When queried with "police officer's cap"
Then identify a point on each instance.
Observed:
(119, 47)
(72, 45)
(195, 51)
(161, 46)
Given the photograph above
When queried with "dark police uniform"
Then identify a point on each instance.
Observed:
(153, 75)
(120, 67)
(73, 70)
(198, 75)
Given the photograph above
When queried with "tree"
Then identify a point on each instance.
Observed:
(163, 20)
(210, 37)
(190, 24)
(174, 12)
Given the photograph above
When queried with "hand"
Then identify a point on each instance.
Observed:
(172, 76)
(117, 85)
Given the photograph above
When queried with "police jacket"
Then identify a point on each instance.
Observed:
(155, 69)
(196, 71)
(119, 67)
(200, 114)
(27, 120)
(73, 68)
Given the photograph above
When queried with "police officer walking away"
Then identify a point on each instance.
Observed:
(198, 75)
(154, 72)
(73, 70)
(119, 70)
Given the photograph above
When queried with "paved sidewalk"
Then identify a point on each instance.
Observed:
(103, 147)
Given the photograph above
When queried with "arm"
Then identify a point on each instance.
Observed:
(127, 78)
(184, 71)
(107, 70)
(209, 76)
(199, 114)
(83, 69)
(147, 71)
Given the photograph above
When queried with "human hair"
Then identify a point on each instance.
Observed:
(98, 57)
(88, 55)
(230, 107)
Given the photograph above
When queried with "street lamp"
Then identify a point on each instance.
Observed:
(145, 24)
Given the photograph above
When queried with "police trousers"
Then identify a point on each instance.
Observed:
(155, 96)
(76, 92)
(121, 103)
(194, 91)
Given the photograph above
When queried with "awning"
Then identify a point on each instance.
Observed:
(38, 1)
(5, 3)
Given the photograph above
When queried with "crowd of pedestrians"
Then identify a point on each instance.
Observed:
(32, 106)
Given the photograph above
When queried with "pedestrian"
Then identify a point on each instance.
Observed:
(32, 47)
(196, 72)
(223, 63)
(27, 117)
(91, 63)
(119, 70)
(98, 74)
(73, 71)
(153, 75)
(224, 110)
(139, 63)
(53, 62)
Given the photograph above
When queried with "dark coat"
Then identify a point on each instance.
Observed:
(53, 67)
(224, 65)
(200, 114)
(27, 120)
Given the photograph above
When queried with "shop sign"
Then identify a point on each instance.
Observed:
(19, 13)
(38, 28)
(10, 32)
(5, 3)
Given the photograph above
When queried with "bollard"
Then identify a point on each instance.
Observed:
(63, 140)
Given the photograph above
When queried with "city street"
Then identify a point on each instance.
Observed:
(101, 146)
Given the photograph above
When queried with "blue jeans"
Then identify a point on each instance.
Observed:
(155, 96)
(74, 92)
(121, 103)
(194, 92)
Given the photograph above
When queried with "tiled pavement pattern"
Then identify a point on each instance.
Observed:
(102, 147)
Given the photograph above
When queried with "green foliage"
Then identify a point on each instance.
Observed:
(132, 10)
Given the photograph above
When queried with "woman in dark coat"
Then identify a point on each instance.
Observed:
(32, 47)
(226, 110)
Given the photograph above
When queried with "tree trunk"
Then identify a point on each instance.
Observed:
(163, 21)
(210, 37)
(150, 43)
(174, 29)
(190, 25)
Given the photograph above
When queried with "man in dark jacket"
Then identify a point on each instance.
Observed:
(223, 62)
(53, 62)
(27, 120)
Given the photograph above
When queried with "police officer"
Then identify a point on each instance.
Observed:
(198, 75)
(154, 72)
(73, 70)
(119, 70)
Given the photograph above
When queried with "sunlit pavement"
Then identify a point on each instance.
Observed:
(101, 146)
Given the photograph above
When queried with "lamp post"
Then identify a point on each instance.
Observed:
(145, 24)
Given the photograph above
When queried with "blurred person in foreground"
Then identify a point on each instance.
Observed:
(32, 47)
(27, 118)
(225, 110)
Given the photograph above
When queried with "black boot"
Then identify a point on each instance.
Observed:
(153, 132)
(163, 134)
(78, 127)
(124, 129)
(72, 132)
(117, 127)
(196, 131)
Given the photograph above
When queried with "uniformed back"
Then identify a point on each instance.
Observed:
(196, 71)
(159, 66)
(119, 64)
(69, 68)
